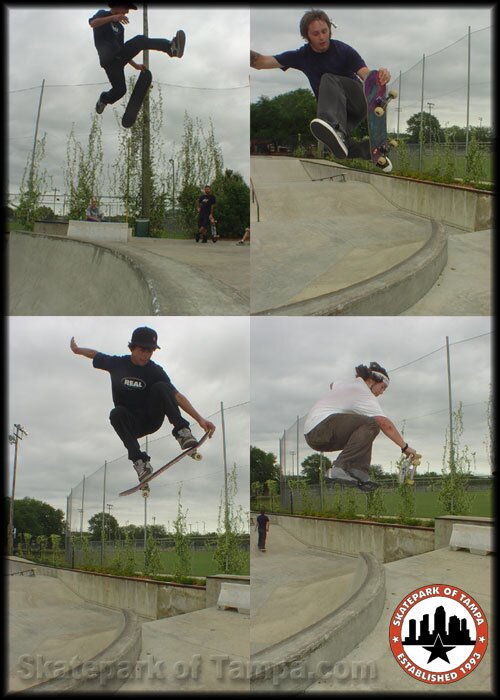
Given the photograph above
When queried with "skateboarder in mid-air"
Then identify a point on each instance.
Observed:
(115, 53)
(336, 73)
(143, 395)
(349, 418)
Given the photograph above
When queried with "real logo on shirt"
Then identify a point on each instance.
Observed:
(133, 383)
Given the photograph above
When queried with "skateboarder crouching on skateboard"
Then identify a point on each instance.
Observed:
(114, 53)
(349, 419)
(336, 73)
(205, 207)
(143, 395)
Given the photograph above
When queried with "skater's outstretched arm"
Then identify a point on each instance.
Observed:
(99, 21)
(259, 62)
(389, 429)
(186, 406)
(86, 352)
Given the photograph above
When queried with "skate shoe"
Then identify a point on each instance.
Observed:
(178, 43)
(143, 469)
(186, 439)
(364, 481)
(386, 167)
(334, 139)
(339, 476)
(99, 106)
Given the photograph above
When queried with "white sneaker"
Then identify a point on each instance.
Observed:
(334, 139)
(186, 439)
(143, 469)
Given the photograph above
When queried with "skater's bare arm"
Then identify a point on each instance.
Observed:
(389, 429)
(137, 66)
(260, 62)
(186, 406)
(99, 21)
(86, 352)
(384, 74)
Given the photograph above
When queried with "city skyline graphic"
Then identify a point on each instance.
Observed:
(457, 633)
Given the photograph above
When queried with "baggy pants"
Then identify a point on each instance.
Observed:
(130, 424)
(342, 104)
(115, 68)
(352, 433)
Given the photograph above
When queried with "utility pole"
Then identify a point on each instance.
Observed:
(32, 168)
(450, 407)
(19, 431)
(146, 134)
(430, 105)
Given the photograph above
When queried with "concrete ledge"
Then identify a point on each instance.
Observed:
(98, 231)
(56, 228)
(387, 294)
(443, 526)
(329, 640)
(233, 596)
(386, 542)
(107, 671)
(478, 539)
(214, 584)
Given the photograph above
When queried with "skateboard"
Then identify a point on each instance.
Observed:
(136, 98)
(377, 99)
(144, 485)
(213, 231)
(407, 470)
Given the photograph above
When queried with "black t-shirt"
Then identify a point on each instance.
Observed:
(340, 59)
(206, 201)
(108, 39)
(130, 384)
(262, 521)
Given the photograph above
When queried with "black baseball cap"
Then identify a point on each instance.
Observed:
(145, 337)
(130, 5)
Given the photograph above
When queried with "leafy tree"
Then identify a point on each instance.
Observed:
(232, 209)
(263, 466)
(32, 187)
(432, 131)
(83, 172)
(182, 566)
(109, 532)
(37, 517)
(228, 553)
(283, 116)
(311, 465)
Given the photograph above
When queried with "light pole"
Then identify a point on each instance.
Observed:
(430, 105)
(171, 160)
(19, 431)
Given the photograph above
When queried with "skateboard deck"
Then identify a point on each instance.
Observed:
(407, 470)
(213, 231)
(136, 98)
(377, 99)
(144, 485)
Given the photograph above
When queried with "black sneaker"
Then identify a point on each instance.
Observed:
(99, 106)
(332, 138)
(186, 439)
(143, 469)
(178, 43)
(364, 481)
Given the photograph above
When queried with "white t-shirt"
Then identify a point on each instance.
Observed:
(345, 397)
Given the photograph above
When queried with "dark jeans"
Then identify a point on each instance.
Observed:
(131, 424)
(342, 104)
(115, 68)
(349, 432)
(261, 544)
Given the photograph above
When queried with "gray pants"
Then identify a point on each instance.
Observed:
(349, 432)
(342, 104)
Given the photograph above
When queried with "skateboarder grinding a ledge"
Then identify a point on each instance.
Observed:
(114, 53)
(205, 206)
(336, 73)
(143, 395)
(349, 418)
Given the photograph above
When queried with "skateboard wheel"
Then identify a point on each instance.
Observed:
(393, 143)
(382, 161)
(393, 94)
(378, 111)
(197, 456)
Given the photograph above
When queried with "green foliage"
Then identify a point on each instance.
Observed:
(272, 489)
(283, 116)
(232, 208)
(457, 464)
(37, 517)
(228, 554)
(473, 166)
(96, 530)
(83, 174)
(152, 562)
(32, 188)
(27, 541)
(57, 553)
(311, 467)
(263, 465)
(182, 566)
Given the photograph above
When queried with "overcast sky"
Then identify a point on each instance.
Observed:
(294, 360)
(63, 403)
(56, 43)
(395, 38)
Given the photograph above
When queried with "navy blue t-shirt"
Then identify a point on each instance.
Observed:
(339, 59)
(262, 521)
(130, 384)
(108, 39)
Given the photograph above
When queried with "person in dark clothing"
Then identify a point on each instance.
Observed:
(206, 204)
(114, 53)
(262, 525)
(336, 73)
(143, 395)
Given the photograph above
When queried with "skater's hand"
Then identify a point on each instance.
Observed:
(74, 347)
(207, 426)
(411, 453)
(123, 19)
(384, 76)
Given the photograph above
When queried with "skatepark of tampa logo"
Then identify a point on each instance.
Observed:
(438, 634)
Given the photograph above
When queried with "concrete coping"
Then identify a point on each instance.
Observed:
(478, 539)
(331, 638)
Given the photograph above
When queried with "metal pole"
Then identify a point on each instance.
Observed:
(81, 509)
(19, 431)
(32, 168)
(103, 513)
(452, 455)
(421, 137)
(298, 446)
(468, 97)
(146, 135)
(226, 505)
(399, 102)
